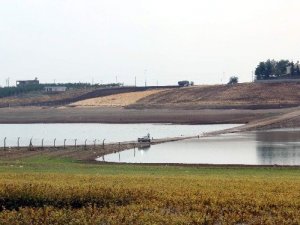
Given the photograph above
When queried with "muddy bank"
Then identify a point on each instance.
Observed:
(121, 115)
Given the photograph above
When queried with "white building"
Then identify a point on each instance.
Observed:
(55, 89)
(289, 68)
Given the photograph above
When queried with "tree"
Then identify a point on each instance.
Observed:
(298, 70)
(281, 68)
(269, 69)
(260, 71)
(273, 69)
(233, 80)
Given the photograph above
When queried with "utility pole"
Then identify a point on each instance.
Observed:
(145, 71)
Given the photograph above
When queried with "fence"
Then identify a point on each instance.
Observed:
(56, 142)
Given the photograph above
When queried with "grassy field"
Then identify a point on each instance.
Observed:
(47, 190)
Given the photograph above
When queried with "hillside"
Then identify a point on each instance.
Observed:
(239, 96)
(37, 97)
(40, 98)
(116, 100)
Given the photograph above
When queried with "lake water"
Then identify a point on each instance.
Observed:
(281, 147)
(92, 131)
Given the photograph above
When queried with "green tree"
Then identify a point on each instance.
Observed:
(281, 68)
(260, 71)
(271, 68)
(233, 80)
(298, 70)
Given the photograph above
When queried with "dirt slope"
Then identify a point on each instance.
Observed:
(122, 99)
(246, 95)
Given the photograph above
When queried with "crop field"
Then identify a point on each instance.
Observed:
(59, 191)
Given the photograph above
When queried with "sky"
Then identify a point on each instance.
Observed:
(157, 41)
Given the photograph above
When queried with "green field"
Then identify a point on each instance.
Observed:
(43, 190)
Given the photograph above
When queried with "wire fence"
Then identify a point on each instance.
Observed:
(55, 142)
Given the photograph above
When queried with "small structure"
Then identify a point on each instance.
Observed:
(55, 89)
(145, 138)
(24, 83)
(291, 69)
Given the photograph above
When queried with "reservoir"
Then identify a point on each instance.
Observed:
(93, 131)
(273, 147)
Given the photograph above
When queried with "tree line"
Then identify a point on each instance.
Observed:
(272, 69)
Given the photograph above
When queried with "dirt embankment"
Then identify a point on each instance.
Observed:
(239, 96)
(70, 96)
(116, 100)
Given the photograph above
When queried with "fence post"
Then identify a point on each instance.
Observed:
(95, 143)
(75, 143)
(65, 143)
(18, 142)
(85, 143)
(42, 142)
(103, 143)
(54, 142)
(4, 143)
(30, 144)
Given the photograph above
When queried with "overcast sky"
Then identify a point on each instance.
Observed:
(206, 41)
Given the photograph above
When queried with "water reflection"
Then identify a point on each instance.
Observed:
(278, 147)
(281, 147)
(144, 147)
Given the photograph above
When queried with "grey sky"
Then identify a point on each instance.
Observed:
(164, 40)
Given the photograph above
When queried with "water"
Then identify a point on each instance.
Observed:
(92, 131)
(281, 147)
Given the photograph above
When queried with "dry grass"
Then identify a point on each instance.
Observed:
(240, 94)
(123, 99)
(203, 196)
(40, 96)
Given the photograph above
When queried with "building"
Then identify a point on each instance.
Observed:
(24, 83)
(296, 69)
(55, 89)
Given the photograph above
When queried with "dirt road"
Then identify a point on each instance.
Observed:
(285, 120)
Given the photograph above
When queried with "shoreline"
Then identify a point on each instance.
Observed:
(115, 115)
